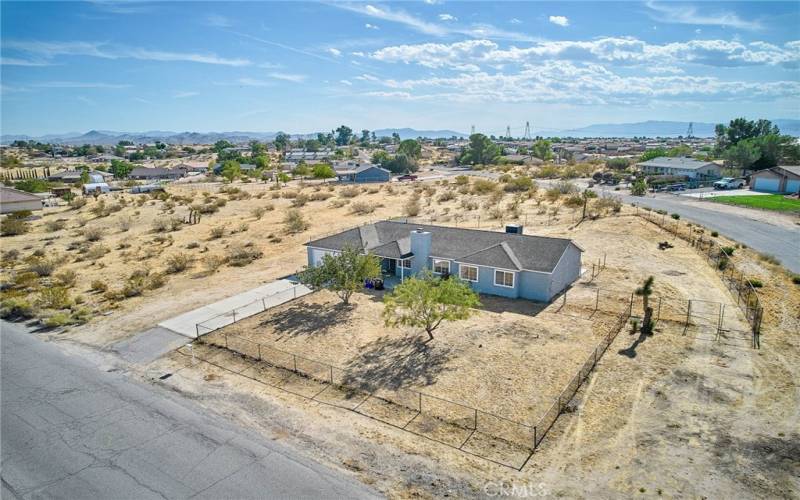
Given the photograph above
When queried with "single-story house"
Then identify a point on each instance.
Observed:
(689, 167)
(106, 158)
(297, 155)
(365, 172)
(13, 200)
(96, 187)
(200, 169)
(508, 264)
(157, 173)
(781, 179)
(244, 167)
(522, 159)
(74, 176)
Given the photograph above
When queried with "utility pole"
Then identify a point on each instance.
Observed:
(508, 132)
(472, 130)
(527, 134)
(690, 131)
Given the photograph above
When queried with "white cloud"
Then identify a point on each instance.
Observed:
(80, 85)
(185, 94)
(559, 20)
(288, 77)
(514, 20)
(617, 50)
(218, 21)
(13, 61)
(429, 28)
(688, 14)
(346, 82)
(252, 82)
(334, 51)
(371, 26)
(447, 17)
(50, 50)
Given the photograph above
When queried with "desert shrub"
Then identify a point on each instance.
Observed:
(16, 308)
(574, 201)
(57, 320)
(796, 279)
(93, 234)
(483, 187)
(220, 202)
(177, 263)
(13, 226)
(770, 259)
(350, 192)
(468, 204)
(168, 224)
(320, 196)
(676, 216)
(300, 200)
(213, 262)
(412, 207)
(461, 180)
(99, 209)
(728, 251)
(714, 234)
(78, 203)
(125, 224)
(566, 187)
(519, 184)
(373, 189)
(446, 196)
(42, 267)
(54, 225)
(156, 280)
(338, 203)
(96, 252)
(755, 282)
(361, 208)
(98, 286)
(66, 278)
(552, 194)
(723, 263)
(258, 212)
(241, 255)
(289, 194)
(217, 232)
(54, 297)
(294, 221)
(192, 245)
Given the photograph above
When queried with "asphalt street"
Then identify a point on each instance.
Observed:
(73, 431)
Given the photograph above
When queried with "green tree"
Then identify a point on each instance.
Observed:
(365, 137)
(221, 145)
(257, 148)
(425, 301)
(743, 154)
(301, 170)
(121, 169)
(542, 149)
(682, 150)
(343, 273)
(262, 162)
(32, 185)
(323, 171)
(84, 176)
(481, 150)
(343, 135)
(410, 148)
(281, 141)
(400, 164)
(639, 188)
(380, 157)
(231, 170)
(653, 153)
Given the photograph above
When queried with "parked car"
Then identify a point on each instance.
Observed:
(729, 183)
(407, 177)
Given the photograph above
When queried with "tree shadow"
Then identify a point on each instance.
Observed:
(631, 351)
(308, 319)
(392, 363)
(495, 304)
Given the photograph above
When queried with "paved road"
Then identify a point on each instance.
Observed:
(70, 430)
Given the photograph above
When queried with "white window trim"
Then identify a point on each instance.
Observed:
(513, 278)
(404, 260)
(440, 261)
(461, 273)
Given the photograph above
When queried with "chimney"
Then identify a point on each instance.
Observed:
(514, 228)
(421, 248)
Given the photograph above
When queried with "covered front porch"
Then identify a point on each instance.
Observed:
(392, 271)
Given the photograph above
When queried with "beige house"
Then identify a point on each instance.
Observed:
(14, 200)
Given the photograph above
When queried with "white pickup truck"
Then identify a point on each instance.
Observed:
(729, 183)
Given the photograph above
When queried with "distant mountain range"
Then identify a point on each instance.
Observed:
(639, 129)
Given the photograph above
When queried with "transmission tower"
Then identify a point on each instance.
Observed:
(690, 131)
(472, 130)
(508, 131)
(527, 134)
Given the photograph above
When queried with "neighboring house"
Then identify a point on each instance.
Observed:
(689, 167)
(74, 176)
(297, 155)
(523, 159)
(508, 264)
(244, 167)
(153, 174)
(193, 169)
(13, 200)
(105, 158)
(781, 179)
(96, 187)
(364, 173)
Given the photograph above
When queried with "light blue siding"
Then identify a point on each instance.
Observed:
(486, 284)
(535, 286)
(767, 185)
(792, 186)
(373, 175)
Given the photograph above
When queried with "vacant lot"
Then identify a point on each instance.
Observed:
(776, 202)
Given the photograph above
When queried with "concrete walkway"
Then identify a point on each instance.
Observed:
(214, 316)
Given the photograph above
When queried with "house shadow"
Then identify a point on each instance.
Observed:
(495, 304)
(306, 319)
(630, 352)
(393, 363)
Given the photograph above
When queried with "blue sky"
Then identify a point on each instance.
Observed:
(304, 67)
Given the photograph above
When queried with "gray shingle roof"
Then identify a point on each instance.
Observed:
(484, 248)
(11, 195)
(675, 162)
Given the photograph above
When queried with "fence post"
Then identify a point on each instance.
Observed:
(597, 299)
(592, 271)
(263, 304)
(476, 419)
(564, 302)
(721, 318)
(226, 341)
(294, 356)
(604, 260)
(658, 314)
(688, 315)
(630, 306)
(197, 330)
(534, 437)
(234, 315)
(331, 374)
(420, 402)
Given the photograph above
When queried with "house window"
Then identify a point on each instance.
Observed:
(441, 266)
(405, 263)
(469, 273)
(504, 278)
